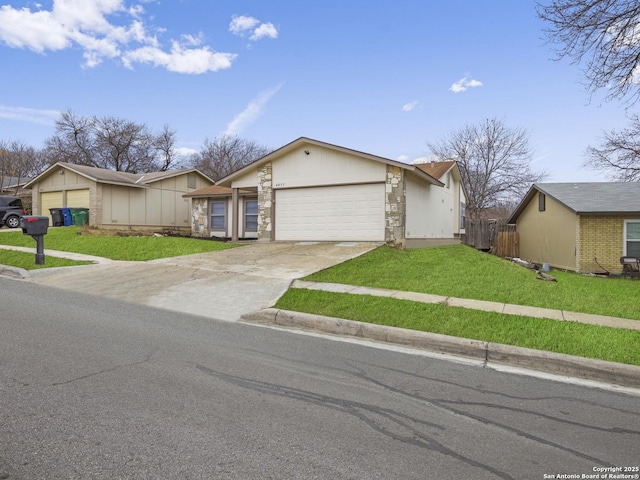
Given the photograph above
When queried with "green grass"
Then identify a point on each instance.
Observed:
(132, 248)
(27, 260)
(610, 344)
(461, 271)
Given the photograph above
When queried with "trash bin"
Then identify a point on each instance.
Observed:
(66, 217)
(79, 216)
(56, 217)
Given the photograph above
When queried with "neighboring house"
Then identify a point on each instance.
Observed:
(309, 190)
(583, 227)
(12, 185)
(118, 199)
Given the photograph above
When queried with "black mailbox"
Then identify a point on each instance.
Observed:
(34, 225)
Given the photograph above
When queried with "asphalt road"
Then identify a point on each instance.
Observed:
(95, 388)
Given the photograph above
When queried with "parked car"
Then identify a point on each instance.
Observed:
(10, 211)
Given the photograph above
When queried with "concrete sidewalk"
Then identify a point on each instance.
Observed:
(508, 309)
(60, 254)
(487, 352)
(222, 285)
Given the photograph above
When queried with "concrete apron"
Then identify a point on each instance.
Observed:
(223, 285)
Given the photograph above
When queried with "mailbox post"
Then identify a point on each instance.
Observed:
(36, 227)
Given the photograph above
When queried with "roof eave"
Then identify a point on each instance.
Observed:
(225, 181)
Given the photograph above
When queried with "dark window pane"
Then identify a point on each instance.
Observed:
(633, 249)
(633, 230)
(251, 207)
(251, 222)
(217, 208)
(217, 222)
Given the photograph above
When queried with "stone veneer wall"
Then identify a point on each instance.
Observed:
(199, 217)
(265, 203)
(395, 207)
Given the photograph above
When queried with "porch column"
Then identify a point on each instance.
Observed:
(235, 204)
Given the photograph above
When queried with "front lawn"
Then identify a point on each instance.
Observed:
(27, 260)
(461, 271)
(134, 248)
(610, 344)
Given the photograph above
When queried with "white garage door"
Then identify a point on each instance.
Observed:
(352, 212)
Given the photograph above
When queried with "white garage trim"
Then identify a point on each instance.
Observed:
(333, 213)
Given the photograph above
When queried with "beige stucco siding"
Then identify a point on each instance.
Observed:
(548, 236)
(432, 211)
(324, 167)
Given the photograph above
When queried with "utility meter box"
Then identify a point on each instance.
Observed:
(34, 225)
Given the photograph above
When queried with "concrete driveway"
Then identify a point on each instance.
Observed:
(222, 285)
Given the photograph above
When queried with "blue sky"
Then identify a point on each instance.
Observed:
(380, 77)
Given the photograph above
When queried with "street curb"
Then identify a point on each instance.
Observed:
(491, 353)
(14, 272)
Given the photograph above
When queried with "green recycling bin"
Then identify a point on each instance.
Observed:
(79, 216)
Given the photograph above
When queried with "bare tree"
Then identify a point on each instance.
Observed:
(604, 36)
(494, 162)
(20, 161)
(165, 144)
(111, 143)
(619, 154)
(226, 154)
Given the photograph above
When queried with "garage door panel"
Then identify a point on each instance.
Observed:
(78, 198)
(50, 200)
(353, 212)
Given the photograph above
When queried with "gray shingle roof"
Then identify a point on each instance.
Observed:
(111, 176)
(602, 197)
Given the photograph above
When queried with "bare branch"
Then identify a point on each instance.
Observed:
(603, 36)
(494, 162)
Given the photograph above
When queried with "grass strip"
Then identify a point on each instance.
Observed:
(27, 260)
(140, 248)
(590, 341)
(463, 272)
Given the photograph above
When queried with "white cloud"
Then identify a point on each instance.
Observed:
(87, 24)
(241, 25)
(424, 159)
(180, 60)
(267, 30)
(31, 115)
(185, 151)
(407, 107)
(402, 158)
(251, 112)
(465, 83)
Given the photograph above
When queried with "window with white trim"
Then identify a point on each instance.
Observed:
(632, 238)
(463, 215)
(251, 215)
(218, 214)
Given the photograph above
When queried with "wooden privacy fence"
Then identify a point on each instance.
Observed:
(493, 236)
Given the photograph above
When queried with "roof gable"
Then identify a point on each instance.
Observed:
(596, 198)
(103, 175)
(226, 181)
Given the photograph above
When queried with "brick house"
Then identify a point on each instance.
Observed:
(582, 227)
